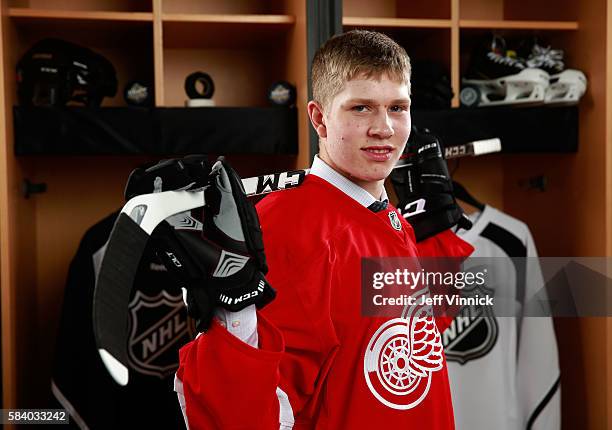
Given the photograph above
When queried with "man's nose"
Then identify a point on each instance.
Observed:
(381, 127)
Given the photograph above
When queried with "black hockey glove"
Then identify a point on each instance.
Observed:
(188, 173)
(424, 187)
(215, 252)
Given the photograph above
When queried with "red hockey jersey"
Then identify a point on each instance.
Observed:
(320, 364)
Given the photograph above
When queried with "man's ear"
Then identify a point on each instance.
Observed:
(315, 113)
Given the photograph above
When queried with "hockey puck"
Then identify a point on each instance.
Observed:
(138, 93)
(469, 96)
(282, 93)
(199, 85)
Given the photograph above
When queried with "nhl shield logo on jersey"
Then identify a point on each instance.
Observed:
(395, 222)
(158, 326)
(473, 332)
(401, 357)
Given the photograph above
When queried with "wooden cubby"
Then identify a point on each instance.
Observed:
(78, 6)
(127, 44)
(258, 53)
(573, 216)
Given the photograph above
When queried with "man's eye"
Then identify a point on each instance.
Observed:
(360, 108)
(399, 108)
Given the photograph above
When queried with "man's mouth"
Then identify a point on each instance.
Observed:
(378, 153)
(378, 149)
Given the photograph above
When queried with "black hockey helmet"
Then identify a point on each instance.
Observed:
(54, 72)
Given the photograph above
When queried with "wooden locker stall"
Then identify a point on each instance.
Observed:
(245, 45)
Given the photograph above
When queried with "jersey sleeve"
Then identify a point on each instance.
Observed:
(538, 384)
(72, 359)
(219, 375)
(228, 384)
(445, 244)
(80, 383)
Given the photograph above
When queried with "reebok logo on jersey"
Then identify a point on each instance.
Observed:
(154, 267)
(229, 263)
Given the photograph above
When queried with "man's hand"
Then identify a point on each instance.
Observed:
(216, 252)
(424, 187)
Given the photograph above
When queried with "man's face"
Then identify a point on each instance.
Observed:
(367, 125)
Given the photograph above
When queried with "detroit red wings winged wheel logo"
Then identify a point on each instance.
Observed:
(402, 355)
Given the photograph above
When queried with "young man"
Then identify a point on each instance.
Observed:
(309, 359)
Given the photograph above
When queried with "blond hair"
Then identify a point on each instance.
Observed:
(357, 52)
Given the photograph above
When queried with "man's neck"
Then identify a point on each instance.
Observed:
(374, 190)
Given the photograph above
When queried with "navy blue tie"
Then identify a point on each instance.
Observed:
(379, 205)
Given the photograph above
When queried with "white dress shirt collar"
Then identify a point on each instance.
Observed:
(322, 170)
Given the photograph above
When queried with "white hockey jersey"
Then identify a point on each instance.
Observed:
(504, 371)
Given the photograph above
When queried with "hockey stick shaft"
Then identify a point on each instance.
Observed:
(280, 181)
(475, 148)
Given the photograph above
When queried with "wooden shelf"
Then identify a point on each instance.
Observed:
(358, 21)
(120, 36)
(80, 15)
(283, 20)
(518, 25)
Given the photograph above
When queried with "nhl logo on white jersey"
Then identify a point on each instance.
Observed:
(395, 222)
(158, 326)
(402, 355)
(473, 332)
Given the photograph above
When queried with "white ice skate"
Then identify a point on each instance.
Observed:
(566, 88)
(528, 87)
